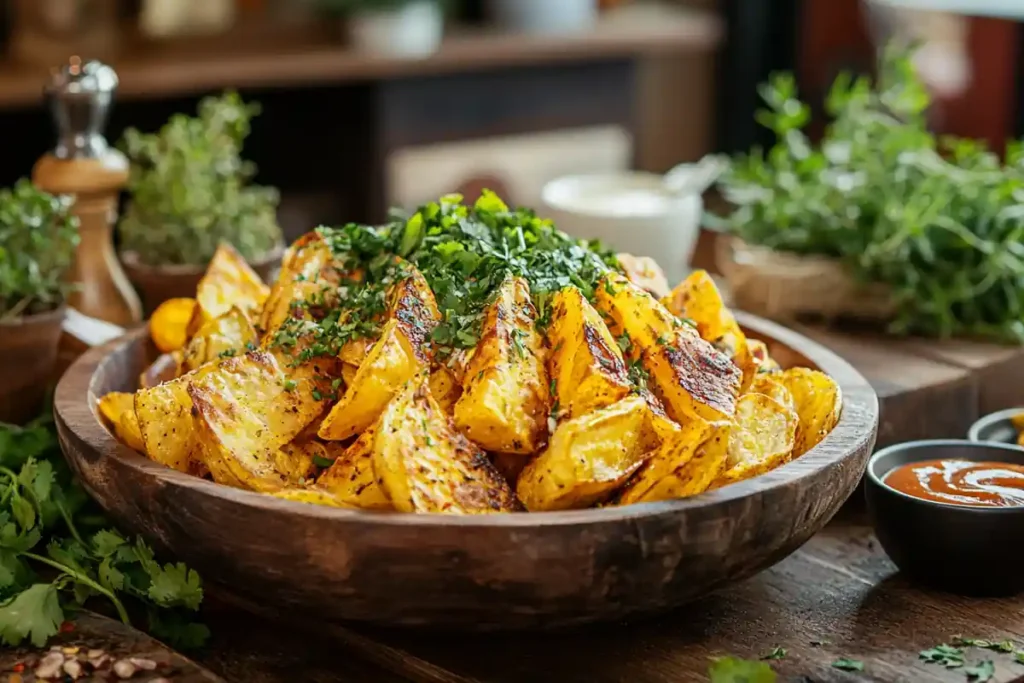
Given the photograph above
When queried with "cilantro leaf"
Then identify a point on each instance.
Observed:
(106, 542)
(35, 613)
(945, 655)
(981, 672)
(775, 653)
(174, 585)
(844, 664)
(735, 670)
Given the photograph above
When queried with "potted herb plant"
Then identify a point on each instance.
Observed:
(189, 190)
(398, 28)
(38, 236)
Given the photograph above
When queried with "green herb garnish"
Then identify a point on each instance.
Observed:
(735, 670)
(981, 672)
(945, 655)
(844, 664)
(775, 653)
(322, 462)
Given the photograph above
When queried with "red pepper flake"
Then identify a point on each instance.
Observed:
(19, 667)
(67, 627)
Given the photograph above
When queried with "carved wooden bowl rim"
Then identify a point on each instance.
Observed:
(75, 408)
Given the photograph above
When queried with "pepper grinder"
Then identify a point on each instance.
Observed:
(83, 165)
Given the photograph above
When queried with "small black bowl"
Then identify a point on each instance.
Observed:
(996, 427)
(965, 550)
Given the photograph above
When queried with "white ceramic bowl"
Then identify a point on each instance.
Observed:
(629, 211)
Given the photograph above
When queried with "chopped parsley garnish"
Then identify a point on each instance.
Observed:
(227, 353)
(322, 462)
(981, 672)
(946, 655)
(844, 664)
(465, 253)
(775, 653)
(289, 385)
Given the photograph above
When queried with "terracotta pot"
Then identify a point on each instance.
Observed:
(28, 351)
(157, 284)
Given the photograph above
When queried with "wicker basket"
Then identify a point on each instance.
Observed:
(787, 286)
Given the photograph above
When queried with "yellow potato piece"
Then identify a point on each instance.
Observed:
(761, 440)
(312, 497)
(697, 473)
(689, 375)
(227, 335)
(390, 364)
(165, 420)
(674, 453)
(588, 458)
(229, 281)
(506, 394)
(818, 401)
(425, 465)
(351, 478)
(764, 384)
(763, 362)
(305, 268)
(587, 368)
(246, 410)
(168, 326)
(697, 298)
(645, 273)
(445, 388)
(119, 410)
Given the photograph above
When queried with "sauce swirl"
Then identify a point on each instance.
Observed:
(961, 482)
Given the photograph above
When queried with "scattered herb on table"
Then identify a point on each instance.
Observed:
(981, 672)
(735, 670)
(844, 664)
(997, 646)
(57, 553)
(939, 222)
(945, 655)
(1018, 657)
(775, 653)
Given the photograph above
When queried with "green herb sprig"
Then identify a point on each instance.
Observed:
(38, 236)
(57, 553)
(939, 222)
(190, 188)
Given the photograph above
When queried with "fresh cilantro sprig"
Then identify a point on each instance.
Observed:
(57, 553)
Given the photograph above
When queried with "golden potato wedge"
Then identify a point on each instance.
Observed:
(818, 401)
(587, 368)
(229, 281)
(674, 453)
(224, 336)
(246, 410)
(697, 473)
(348, 373)
(697, 298)
(165, 420)
(296, 459)
(588, 458)
(355, 352)
(166, 367)
(351, 478)
(425, 465)
(505, 397)
(689, 375)
(445, 388)
(763, 362)
(169, 324)
(119, 410)
(645, 273)
(402, 350)
(761, 440)
(307, 267)
(765, 384)
(311, 496)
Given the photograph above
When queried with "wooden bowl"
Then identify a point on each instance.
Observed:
(490, 572)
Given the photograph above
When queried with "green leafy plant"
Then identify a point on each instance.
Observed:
(940, 222)
(38, 236)
(57, 553)
(190, 188)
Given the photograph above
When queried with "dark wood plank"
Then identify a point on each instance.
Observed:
(840, 589)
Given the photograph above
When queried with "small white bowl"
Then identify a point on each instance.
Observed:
(629, 211)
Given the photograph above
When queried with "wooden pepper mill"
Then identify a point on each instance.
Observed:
(84, 165)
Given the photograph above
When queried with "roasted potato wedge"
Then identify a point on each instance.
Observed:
(118, 408)
(759, 355)
(587, 368)
(351, 478)
(697, 473)
(445, 388)
(169, 324)
(506, 395)
(761, 440)
(697, 298)
(229, 282)
(689, 375)
(246, 410)
(227, 335)
(818, 402)
(402, 350)
(588, 458)
(674, 453)
(425, 465)
(165, 420)
(645, 273)
(307, 270)
(765, 384)
(311, 496)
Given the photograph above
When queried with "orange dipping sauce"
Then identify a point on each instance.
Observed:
(961, 482)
